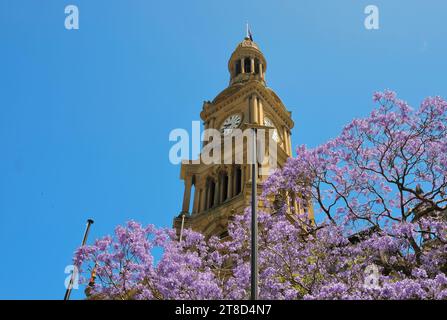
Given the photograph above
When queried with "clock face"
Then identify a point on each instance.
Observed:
(269, 123)
(230, 123)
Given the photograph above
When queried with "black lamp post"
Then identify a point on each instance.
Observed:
(254, 221)
(254, 214)
(84, 240)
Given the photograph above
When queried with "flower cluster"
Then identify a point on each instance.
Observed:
(378, 191)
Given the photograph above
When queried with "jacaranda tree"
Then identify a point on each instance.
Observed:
(380, 229)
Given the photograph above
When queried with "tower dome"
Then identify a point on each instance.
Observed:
(247, 62)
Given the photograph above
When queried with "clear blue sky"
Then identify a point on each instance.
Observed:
(85, 115)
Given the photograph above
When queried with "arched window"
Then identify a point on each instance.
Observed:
(238, 180)
(212, 191)
(256, 65)
(209, 193)
(247, 65)
(224, 185)
(237, 68)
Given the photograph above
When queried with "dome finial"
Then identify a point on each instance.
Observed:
(249, 35)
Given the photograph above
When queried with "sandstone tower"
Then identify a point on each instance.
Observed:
(215, 192)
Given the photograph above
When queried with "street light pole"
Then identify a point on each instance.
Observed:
(84, 241)
(254, 205)
(254, 221)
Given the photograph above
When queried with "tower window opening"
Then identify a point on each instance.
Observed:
(247, 65)
(209, 193)
(212, 191)
(257, 66)
(238, 69)
(238, 180)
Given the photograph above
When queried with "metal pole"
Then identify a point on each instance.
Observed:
(254, 223)
(84, 240)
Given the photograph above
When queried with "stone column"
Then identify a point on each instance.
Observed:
(202, 199)
(260, 111)
(195, 207)
(198, 199)
(289, 207)
(297, 205)
(216, 192)
(187, 194)
(257, 109)
(221, 191)
(242, 65)
(295, 202)
(207, 194)
(261, 70)
(252, 65)
(243, 177)
(253, 109)
(247, 174)
(286, 141)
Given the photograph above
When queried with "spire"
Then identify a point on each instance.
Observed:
(249, 35)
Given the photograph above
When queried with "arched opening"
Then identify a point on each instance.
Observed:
(200, 207)
(257, 65)
(212, 191)
(237, 68)
(247, 65)
(209, 193)
(238, 180)
(224, 186)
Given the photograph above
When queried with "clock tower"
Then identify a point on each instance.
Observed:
(214, 192)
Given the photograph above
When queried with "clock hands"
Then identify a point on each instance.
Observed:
(230, 123)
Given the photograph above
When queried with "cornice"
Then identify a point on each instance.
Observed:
(254, 86)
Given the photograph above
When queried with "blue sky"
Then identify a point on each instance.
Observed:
(85, 115)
